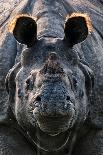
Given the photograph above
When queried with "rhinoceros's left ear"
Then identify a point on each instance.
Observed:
(77, 27)
(24, 29)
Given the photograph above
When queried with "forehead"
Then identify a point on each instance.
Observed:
(40, 51)
(34, 58)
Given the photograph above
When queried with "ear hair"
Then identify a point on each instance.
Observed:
(83, 15)
(77, 27)
(24, 29)
(12, 24)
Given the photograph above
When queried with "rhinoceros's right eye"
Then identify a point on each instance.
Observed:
(75, 82)
(29, 84)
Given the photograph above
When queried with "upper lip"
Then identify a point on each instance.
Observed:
(49, 120)
(53, 125)
(53, 113)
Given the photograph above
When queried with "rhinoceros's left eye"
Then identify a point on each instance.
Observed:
(75, 82)
(29, 84)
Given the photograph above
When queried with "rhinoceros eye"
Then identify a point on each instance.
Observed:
(29, 84)
(75, 82)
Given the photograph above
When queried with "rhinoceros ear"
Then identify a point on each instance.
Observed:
(24, 29)
(77, 27)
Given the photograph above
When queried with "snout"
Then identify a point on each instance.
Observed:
(54, 108)
(54, 101)
(53, 105)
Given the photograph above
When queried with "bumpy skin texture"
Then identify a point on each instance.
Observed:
(51, 109)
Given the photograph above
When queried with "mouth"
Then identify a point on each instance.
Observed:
(56, 129)
(55, 122)
(54, 125)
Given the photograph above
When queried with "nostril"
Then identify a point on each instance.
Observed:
(38, 98)
(68, 98)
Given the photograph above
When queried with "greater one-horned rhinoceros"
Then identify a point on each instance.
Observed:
(55, 87)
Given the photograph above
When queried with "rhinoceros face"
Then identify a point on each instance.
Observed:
(51, 85)
(50, 93)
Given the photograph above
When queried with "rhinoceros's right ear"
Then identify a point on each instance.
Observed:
(10, 81)
(77, 27)
(24, 29)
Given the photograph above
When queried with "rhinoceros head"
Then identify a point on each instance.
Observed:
(49, 89)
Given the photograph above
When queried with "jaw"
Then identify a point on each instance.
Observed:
(55, 123)
(49, 142)
(51, 136)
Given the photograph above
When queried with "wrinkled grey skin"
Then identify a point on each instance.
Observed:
(51, 109)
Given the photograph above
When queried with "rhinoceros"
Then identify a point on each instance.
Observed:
(51, 80)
